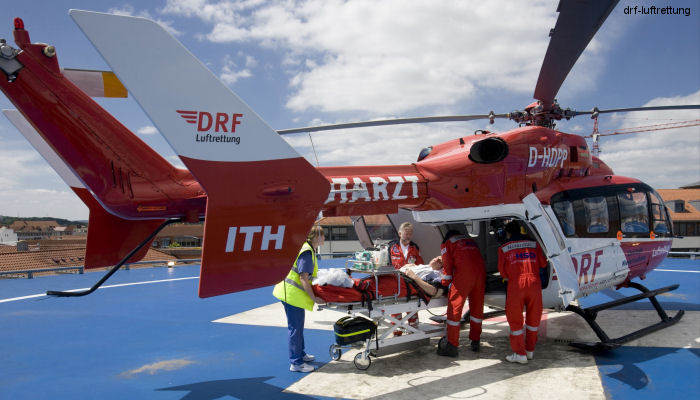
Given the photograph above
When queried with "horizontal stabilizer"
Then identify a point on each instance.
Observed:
(262, 196)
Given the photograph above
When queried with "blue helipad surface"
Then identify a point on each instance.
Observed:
(148, 336)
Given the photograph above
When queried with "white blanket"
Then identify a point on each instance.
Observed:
(334, 277)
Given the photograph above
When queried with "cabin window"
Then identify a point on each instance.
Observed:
(340, 233)
(564, 211)
(596, 211)
(687, 228)
(633, 212)
(660, 217)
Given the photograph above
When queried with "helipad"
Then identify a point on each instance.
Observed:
(148, 336)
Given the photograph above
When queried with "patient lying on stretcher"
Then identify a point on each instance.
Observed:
(428, 277)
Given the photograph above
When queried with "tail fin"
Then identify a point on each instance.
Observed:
(110, 238)
(263, 196)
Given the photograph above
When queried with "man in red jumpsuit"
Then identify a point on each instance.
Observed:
(402, 252)
(519, 261)
(464, 267)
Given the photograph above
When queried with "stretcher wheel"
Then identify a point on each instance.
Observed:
(335, 352)
(362, 362)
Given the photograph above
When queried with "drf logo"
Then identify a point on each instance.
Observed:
(205, 120)
(249, 233)
(587, 266)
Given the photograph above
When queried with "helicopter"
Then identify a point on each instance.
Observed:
(258, 197)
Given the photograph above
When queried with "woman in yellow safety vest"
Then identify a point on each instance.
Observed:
(296, 295)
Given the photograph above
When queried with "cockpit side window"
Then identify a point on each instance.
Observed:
(634, 217)
(564, 211)
(660, 221)
(596, 212)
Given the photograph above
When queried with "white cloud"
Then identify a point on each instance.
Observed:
(664, 158)
(26, 202)
(31, 188)
(147, 130)
(387, 57)
(230, 73)
(129, 10)
(175, 161)
(20, 165)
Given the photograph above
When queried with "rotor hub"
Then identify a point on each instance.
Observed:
(539, 114)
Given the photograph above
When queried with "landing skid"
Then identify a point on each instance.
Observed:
(590, 314)
(114, 268)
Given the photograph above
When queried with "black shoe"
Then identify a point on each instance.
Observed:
(446, 348)
(475, 345)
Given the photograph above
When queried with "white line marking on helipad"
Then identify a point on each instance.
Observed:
(101, 287)
(677, 270)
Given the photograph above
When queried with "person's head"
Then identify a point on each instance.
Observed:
(512, 229)
(406, 232)
(449, 234)
(436, 263)
(316, 236)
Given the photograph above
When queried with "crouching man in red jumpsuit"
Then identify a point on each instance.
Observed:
(464, 267)
(519, 261)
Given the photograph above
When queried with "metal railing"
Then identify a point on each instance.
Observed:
(689, 254)
(81, 269)
(30, 272)
(166, 262)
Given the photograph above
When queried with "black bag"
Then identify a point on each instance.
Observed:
(353, 329)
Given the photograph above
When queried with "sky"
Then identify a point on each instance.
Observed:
(308, 62)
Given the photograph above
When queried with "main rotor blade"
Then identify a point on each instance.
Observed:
(397, 121)
(650, 108)
(578, 22)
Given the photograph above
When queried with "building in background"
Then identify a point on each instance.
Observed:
(36, 230)
(341, 237)
(684, 207)
(8, 237)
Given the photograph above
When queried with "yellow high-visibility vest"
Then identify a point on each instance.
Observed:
(290, 290)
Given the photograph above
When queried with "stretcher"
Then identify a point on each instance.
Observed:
(385, 298)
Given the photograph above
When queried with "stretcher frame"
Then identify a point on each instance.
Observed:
(382, 311)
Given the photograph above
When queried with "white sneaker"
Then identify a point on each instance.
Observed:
(305, 368)
(529, 354)
(516, 358)
(309, 358)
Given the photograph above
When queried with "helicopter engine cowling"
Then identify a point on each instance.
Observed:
(489, 150)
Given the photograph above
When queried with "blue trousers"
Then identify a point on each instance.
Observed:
(295, 328)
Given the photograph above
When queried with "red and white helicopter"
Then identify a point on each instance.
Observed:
(259, 197)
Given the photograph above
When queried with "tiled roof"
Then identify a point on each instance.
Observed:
(691, 213)
(67, 256)
(25, 226)
(177, 230)
(75, 241)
